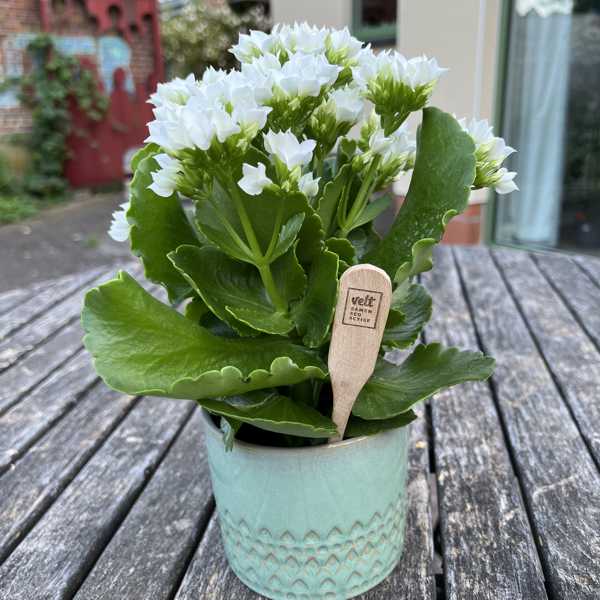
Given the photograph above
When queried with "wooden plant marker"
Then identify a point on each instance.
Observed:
(360, 315)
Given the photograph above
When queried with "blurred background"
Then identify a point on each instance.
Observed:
(75, 76)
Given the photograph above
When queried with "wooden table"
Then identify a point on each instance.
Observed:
(105, 496)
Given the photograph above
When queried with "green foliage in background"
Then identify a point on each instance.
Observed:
(48, 89)
(199, 36)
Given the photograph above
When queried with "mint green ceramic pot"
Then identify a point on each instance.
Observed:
(311, 523)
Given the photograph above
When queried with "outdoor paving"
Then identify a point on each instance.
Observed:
(59, 241)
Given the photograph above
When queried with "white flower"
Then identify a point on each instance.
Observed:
(348, 104)
(481, 132)
(225, 125)
(252, 45)
(415, 73)
(286, 147)
(168, 130)
(422, 71)
(120, 228)
(306, 74)
(378, 143)
(164, 181)
(302, 37)
(177, 91)
(401, 144)
(261, 75)
(499, 151)
(490, 151)
(505, 183)
(254, 179)
(341, 41)
(309, 186)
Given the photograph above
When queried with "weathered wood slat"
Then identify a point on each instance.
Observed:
(209, 576)
(50, 322)
(591, 265)
(559, 479)
(148, 554)
(25, 422)
(11, 298)
(488, 546)
(35, 481)
(36, 366)
(36, 331)
(57, 554)
(570, 354)
(577, 289)
(44, 299)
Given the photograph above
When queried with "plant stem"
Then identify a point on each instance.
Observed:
(362, 197)
(271, 287)
(264, 268)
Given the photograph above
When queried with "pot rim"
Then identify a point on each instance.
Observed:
(214, 430)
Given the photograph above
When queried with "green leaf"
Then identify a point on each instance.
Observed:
(144, 347)
(364, 240)
(332, 192)
(159, 225)
(394, 389)
(314, 313)
(443, 175)
(142, 153)
(408, 315)
(343, 248)
(287, 235)
(274, 412)
(195, 309)
(232, 290)
(421, 255)
(372, 210)
(357, 427)
(289, 275)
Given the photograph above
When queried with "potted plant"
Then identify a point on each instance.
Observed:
(282, 163)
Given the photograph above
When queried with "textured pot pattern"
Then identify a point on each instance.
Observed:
(310, 523)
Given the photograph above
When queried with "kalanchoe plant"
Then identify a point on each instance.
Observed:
(283, 197)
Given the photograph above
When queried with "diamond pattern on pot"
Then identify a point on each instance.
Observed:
(339, 564)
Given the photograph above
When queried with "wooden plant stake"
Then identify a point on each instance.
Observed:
(360, 315)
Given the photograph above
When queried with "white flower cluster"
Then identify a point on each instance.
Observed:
(287, 151)
(297, 95)
(490, 151)
(414, 73)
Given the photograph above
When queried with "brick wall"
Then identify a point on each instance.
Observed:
(72, 24)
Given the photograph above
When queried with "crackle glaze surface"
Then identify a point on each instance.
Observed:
(314, 523)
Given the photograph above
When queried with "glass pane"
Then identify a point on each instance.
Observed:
(377, 12)
(552, 116)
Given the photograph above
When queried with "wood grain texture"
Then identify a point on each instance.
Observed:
(590, 265)
(210, 578)
(43, 299)
(36, 366)
(54, 558)
(31, 485)
(364, 297)
(559, 479)
(50, 322)
(488, 547)
(570, 354)
(25, 422)
(148, 554)
(36, 331)
(11, 298)
(576, 288)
